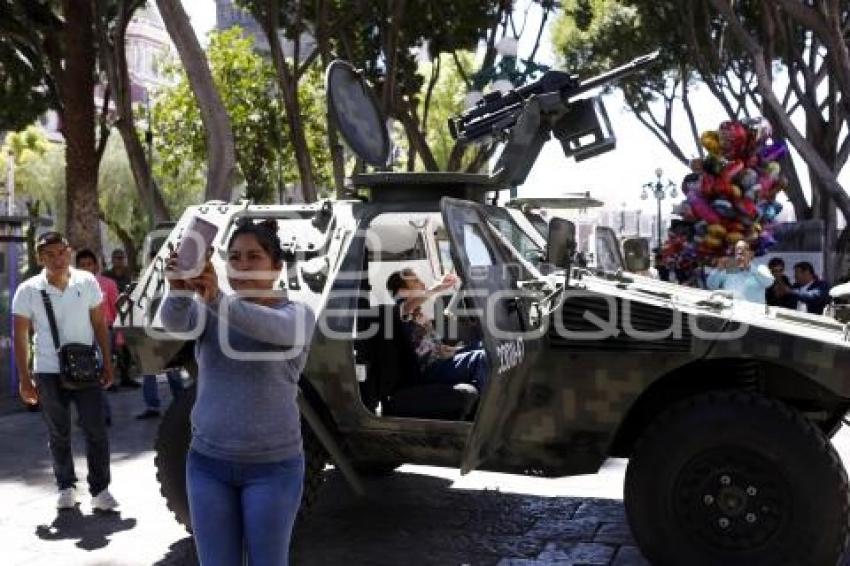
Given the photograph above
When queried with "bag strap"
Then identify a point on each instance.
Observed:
(51, 318)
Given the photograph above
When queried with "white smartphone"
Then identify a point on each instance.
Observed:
(193, 246)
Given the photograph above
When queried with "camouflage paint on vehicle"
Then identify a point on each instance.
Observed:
(581, 395)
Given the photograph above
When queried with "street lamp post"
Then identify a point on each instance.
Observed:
(659, 191)
(623, 219)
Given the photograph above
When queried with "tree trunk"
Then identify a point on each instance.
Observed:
(404, 114)
(221, 160)
(131, 245)
(456, 157)
(32, 226)
(288, 86)
(335, 148)
(114, 56)
(78, 126)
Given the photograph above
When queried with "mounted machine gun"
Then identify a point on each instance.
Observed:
(524, 118)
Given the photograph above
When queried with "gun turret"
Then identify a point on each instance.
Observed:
(497, 113)
(525, 117)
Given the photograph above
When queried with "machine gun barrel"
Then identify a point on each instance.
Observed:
(607, 77)
(498, 112)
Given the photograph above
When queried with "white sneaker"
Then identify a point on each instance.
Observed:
(67, 498)
(103, 501)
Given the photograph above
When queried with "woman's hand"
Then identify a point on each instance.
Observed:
(206, 284)
(171, 274)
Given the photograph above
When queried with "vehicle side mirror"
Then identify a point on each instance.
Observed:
(561, 243)
(636, 254)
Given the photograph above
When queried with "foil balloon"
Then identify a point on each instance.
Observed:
(702, 210)
(711, 142)
(724, 208)
(730, 195)
(747, 178)
(733, 139)
(747, 207)
(773, 152)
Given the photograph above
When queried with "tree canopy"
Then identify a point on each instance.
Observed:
(784, 60)
(245, 81)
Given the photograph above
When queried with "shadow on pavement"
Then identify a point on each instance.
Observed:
(181, 553)
(407, 515)
(93, 531)
(25, 433)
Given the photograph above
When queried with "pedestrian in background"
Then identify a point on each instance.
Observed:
(120, 273)
(150, 388)
(810, 291)
(75, 299)
(740, 275)
(150, 392)
(777, 295)
(245, 468)
(87, 261)
(119, 270)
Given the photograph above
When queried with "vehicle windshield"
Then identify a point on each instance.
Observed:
(538, 222)
(608, 256)
(522, 242)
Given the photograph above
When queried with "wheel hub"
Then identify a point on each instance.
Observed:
(731, 498)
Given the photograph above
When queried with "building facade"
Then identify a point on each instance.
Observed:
(228, 15)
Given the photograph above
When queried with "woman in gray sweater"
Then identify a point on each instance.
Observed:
(245, 467)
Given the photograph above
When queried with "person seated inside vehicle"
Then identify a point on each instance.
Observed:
(438, 362)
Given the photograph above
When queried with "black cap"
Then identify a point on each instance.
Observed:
(51, 237)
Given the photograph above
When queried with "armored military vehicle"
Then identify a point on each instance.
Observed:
(724, 408)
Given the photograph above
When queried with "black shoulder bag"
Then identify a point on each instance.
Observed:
(78, 366)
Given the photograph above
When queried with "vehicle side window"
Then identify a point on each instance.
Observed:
(444, 247)
(607, 250)
(501, 220)
(476, 249)
(414, 252)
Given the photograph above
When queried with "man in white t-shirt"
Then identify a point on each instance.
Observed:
(76, 300)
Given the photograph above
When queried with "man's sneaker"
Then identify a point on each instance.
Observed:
(148, 414)
(103, 501)
(67, 498)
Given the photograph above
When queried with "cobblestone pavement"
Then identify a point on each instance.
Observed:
(417, 515)
(410, 517)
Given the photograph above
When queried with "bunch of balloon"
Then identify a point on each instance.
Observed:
(730, 196)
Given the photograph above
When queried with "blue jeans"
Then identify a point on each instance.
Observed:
(150, 390)
(466, 366)
(235, 505)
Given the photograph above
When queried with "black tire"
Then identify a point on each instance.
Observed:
(172, 445)
(734, 478)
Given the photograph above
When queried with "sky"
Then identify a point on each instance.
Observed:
(202, 15)
(616, 177)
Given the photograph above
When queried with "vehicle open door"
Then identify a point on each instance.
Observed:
(500, 289)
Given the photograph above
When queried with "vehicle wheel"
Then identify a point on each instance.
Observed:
(735, 478)
(315, 460)
(172, 445)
